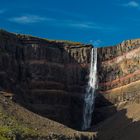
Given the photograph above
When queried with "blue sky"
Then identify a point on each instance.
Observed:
(100, 22)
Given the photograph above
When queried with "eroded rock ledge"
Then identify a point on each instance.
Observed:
(50, 77)
(119, 67)
(119, 77)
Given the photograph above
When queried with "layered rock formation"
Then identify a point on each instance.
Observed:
(48, 77)
(119, 71)
(119, 77)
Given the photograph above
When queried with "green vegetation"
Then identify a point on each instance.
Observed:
(10, 133)
(63, 41)
(11, 129)
(49, 40)
(68, 42)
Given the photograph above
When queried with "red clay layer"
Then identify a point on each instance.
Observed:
(124, 55)
(120, 79)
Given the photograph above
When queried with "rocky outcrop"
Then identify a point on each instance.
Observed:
(48, 77)
(119, 71)
(119, 77)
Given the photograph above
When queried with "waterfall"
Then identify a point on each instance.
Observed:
(89, 97)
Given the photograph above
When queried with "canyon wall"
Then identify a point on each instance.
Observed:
(119, 77)
(48, 77)
(119, 71)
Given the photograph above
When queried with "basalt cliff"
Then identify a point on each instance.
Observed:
(49, 78)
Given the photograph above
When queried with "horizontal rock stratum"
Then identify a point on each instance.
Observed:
(50, 77)
(119, 71)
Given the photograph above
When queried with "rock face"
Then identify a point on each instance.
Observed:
(119, 76)
(48, 77)
(119, 71)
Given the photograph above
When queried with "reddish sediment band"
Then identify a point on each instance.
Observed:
(132, 87)
(120, 79)
(126, 55)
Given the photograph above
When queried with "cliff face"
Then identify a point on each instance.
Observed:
(48, 77)
(119, 71)
(119, 77)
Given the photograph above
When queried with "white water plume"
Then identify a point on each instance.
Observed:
(89, 97)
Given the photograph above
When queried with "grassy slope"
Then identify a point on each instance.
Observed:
(16, 121)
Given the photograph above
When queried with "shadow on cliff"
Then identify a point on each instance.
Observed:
(118, 127)
(62, 68)
(111, 123)
(62, 104)
(66, 104)
(102, 110)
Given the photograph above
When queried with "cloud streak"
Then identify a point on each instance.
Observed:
(89, 26)
(84, 25)
(132, 4)
(63, 23)
(27, 19)
(97, 43)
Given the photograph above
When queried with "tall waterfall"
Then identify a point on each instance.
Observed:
(89, 97)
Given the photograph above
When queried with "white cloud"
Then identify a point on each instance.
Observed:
(28, 19)
(81, 25)
(65, 23)
(76, 24)
(132, 4)
(96, 43)
(85, 25)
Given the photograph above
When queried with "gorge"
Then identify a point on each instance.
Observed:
(57, 80)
